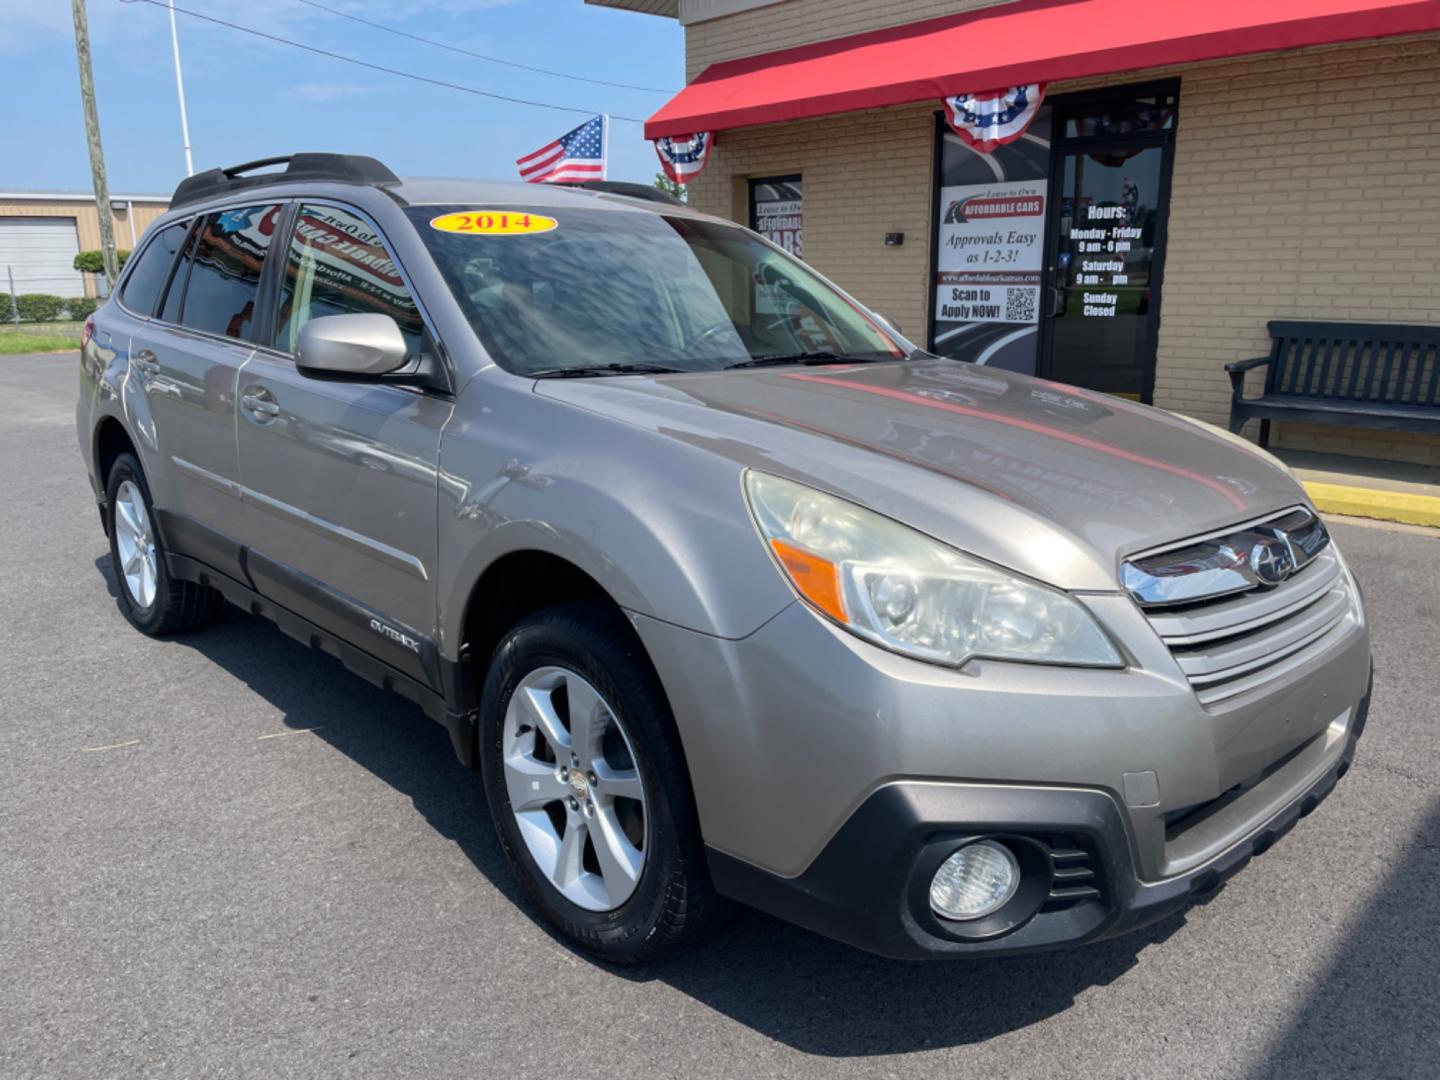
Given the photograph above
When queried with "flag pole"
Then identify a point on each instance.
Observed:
(605, 147)
(180, 90)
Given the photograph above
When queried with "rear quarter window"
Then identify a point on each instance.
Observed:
(147, 276)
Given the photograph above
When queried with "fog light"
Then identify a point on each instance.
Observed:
(976, 881)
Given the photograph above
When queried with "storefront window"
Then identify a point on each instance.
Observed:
(1048, 252)
(990, 248)
(1125, 115)
(1109, 202)
(777, 212)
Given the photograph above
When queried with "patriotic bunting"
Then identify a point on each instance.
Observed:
(684, 157)
(991, 120)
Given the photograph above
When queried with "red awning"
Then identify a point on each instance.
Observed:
(1030, 41)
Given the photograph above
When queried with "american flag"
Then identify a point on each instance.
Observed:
(577, 155)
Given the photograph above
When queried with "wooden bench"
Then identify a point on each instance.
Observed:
(1378, 375)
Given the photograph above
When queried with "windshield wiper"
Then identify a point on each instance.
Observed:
(595, 371)
(807, 358)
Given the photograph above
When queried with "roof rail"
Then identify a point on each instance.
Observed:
(624, 187)
(338, 168)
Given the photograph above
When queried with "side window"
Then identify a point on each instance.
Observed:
(337, 264)
(225, 261)
(147, 276)
(170, 307)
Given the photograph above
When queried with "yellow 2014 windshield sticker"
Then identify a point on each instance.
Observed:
(494, 223)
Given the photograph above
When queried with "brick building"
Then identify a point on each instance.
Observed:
(1276, 163)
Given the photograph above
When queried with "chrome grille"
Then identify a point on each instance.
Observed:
(1230, 631)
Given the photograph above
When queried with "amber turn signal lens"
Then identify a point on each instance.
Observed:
(817, 579)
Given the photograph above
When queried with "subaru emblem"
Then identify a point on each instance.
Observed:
(1272, 561)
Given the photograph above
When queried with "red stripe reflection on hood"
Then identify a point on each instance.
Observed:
(1028, 425)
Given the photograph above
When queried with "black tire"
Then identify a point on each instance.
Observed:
(674, 903)
(178, 605)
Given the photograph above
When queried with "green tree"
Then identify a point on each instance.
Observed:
(93, 262)
(670, 187)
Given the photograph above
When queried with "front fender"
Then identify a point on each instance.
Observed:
(662, 526)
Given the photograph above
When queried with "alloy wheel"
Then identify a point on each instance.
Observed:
(574, 788)
(135, 543)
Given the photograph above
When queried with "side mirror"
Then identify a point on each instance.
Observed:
(350, 347)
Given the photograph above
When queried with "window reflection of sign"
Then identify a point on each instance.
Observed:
(223, 283)
(234, 243)
(350, 260)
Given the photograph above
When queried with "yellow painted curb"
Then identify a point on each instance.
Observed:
(1375, 503)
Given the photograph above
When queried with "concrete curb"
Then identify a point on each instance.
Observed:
(1375, 503)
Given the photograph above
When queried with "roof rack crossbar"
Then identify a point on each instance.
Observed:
(334, 168)
(259, 163)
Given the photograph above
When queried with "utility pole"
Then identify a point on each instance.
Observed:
(92, 135)
(180, 89)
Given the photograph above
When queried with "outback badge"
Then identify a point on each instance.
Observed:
(395, 635)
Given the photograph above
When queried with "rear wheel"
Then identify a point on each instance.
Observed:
(588, 789)
(153, 601)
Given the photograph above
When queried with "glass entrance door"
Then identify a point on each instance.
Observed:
(1109, 202)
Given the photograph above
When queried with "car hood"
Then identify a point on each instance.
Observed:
(1053, 481)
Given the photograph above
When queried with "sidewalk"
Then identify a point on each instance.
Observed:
(1364, 487)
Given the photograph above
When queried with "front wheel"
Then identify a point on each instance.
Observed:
(588, 789)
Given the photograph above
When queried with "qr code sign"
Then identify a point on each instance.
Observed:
(1020, 305)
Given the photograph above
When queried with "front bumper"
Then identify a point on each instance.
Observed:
(869, 886)
(832, 776)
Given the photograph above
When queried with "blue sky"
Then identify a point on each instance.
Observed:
(250, 98)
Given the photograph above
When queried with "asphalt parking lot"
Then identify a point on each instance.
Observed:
(225, 856)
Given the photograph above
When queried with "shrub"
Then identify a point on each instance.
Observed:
(40, 307)
(81, 307)
(6, 315)
(93, 262)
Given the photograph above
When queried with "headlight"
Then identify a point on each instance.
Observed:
(907, 592)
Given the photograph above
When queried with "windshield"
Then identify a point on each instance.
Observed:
(611, 289)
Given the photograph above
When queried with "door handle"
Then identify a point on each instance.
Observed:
(1057, 301)
(146, 362)
(260, 404)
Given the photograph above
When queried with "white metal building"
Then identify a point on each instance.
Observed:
(41, 232)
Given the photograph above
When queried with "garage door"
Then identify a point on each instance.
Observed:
(40, 251)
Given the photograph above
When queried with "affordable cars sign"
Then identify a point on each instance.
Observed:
(992, 246)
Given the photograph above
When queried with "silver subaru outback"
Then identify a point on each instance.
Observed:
(726, 589)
